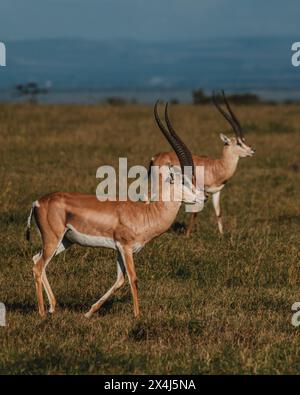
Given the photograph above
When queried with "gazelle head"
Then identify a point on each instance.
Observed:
(183, 186)
(237, 145)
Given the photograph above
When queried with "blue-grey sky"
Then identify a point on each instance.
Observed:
(148, 19)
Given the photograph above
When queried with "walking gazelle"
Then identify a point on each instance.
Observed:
(216, 171)
(125, 226)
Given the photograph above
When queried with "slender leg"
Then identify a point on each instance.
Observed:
(62, 245)
(191, 224)
(37, 273)
(49, 292)
(120, 281)
(217, 207)
(130, 269)
(40, 278)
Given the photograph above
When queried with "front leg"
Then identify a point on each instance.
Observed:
(191, 224)
(127, 255)
(217, 207)
(118, 284)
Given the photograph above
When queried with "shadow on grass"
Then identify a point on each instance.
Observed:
(145, 330)
(71, 306)
(19, 307)
(178, 228)
(104, 309)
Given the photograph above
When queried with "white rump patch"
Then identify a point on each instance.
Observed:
(36, 204)
(74, 236)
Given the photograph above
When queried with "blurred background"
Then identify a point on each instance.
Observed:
(90, 51)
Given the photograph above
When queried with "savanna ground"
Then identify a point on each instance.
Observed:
(209, 304)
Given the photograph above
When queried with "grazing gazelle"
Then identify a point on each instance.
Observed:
(216, 171)
(125, 226)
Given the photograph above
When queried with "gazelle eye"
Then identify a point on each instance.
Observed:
(239, 144)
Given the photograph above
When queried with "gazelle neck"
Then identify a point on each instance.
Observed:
(160, 215)
(165, 212)
(229, 161)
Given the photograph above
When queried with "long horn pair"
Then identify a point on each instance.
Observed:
(231, 117)
(183, 153)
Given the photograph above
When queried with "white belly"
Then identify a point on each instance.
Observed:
(214, 189)
(74, 236)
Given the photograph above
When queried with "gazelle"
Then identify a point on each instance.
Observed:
(216, 171)
(125, 226)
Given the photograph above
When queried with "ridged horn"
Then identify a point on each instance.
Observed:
(183, 153)
(231, 117)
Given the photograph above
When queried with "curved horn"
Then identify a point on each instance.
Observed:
(188, 154)
(232, 114)
(162, 127)
(176, 143)
(160, 124)
(230, 118)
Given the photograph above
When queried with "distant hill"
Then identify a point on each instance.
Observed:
(236, 64)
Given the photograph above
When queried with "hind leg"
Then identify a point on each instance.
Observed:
(48, 290)
(40, 279)
(62, 245)
(39, 272)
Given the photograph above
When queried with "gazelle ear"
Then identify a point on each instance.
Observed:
(225, 139)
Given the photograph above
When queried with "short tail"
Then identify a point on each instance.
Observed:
(29, 220)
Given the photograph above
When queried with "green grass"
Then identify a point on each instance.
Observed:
(209, 304)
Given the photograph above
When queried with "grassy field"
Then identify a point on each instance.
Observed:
(209, 304)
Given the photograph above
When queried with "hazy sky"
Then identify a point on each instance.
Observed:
(148, 19)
